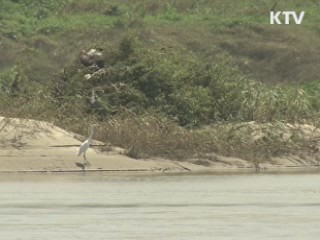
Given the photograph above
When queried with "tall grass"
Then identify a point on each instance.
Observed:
(145, 137)
(178, 86)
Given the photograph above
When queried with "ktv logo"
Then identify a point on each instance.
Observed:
(286, 17)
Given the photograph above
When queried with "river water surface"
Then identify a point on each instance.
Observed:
(166, 207)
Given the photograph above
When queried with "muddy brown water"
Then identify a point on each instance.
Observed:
(171, 207)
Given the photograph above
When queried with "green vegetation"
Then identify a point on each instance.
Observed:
(179, 76)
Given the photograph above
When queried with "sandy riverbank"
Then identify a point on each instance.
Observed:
(29, 145)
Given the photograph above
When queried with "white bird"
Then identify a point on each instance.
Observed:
(85, 146)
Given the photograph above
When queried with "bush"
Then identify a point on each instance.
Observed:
(9, 80)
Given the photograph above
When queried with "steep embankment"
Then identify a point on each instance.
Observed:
(43, 37)
(183, 64)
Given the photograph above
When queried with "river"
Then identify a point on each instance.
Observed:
(166, 207)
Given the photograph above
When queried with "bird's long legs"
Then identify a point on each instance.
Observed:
(85, 161)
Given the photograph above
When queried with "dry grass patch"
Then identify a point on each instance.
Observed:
(152, 137)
